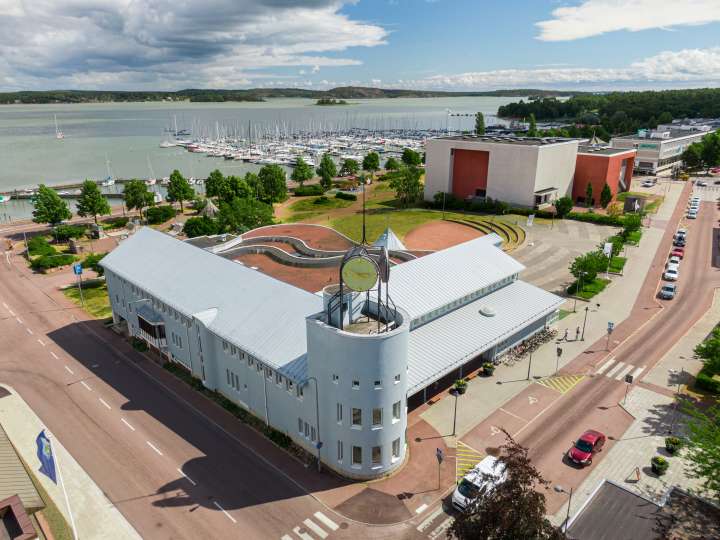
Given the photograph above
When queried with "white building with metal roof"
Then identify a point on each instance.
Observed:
(336, 371)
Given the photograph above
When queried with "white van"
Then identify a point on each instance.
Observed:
(475, 480)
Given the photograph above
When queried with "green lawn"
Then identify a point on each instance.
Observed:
(563, 313)
(617, 264)
(316, 204)
(96, 298)
(634, 238)
(588, 289)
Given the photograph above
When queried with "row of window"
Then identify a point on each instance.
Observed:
(356, 415)
(177, 340)
(376, 453)
(233, 379)
(306, 430)
(377, 384)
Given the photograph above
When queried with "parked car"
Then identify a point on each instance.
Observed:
(679, 242)
(678, 252)
(589, 443)
(674, 260)
(701, 183)
(647, 184)
(671, 274)
(668, 291)
(692, 214)
(484, 476)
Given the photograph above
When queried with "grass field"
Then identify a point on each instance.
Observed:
(652, 201)
(588, 290)
(313, 207)
(617, 264)
(58, 526)
(96, 298)
(634, 238)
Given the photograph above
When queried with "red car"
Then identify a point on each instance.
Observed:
(588, 444)
(677, 252)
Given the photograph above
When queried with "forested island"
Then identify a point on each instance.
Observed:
(330, 101)
(620, 112)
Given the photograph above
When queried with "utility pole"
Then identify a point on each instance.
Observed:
(529, 365)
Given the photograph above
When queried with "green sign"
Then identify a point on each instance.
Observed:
(648, 146)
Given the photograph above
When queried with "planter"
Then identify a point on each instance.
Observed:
(488, 369)
(673, 445)
(460, 386)
(659, 465)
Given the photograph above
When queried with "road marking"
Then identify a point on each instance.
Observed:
(18, 320)
(302, 535)
(187, 477)
(70, 371)
(420, 509)
(29, 331)
(610, 374)
(86, 386)
(127, 424)
(494, 430)
(624, 372)
(41, 342)
(532, 400)
(605, 366)
(310, 524)
(104, 403)
(11, 313)
(329, 523)
(637, 372)
(428, 520)
(151, 445)
(55, 356)
(440, 529)
(224, 512)
(561, 383)
(286, 537)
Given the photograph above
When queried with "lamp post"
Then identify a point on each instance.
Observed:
(561, 489)
(582, 337)
(577, 291)
(455, 393)
(529, 365)
(558, 352)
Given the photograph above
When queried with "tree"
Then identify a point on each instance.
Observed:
(371, 162)
(407, 186)
(92, 261)
(589, 195)
(392, 164)
(588, 265)
(240, 215)
(692, 156)
(91, 201)
(605, 196)
(614, 209)
(532, 128)
(703, 452)
(665, 118)
(253, 182)
(710, 150)
(709, 351)
(137, 196)
(327, 170)
(479, 124)
(200, 226)
(350, 167)
(179, 189)
(49, 207)
(273, 182)
(302, 172)
(215, 184)
(236, 187)
(515, 508)
(411, 158)
(563, 206)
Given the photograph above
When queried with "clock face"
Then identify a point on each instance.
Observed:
(360, 274)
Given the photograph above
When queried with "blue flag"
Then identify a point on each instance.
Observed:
(45, 455)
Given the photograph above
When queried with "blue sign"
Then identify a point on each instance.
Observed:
(77, 268)
(611, 327)
(45, 455)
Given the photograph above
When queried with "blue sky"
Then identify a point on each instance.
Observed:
(430, 44)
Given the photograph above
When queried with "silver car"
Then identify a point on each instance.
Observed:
(668, 291)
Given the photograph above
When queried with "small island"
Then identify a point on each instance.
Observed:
(331, 101)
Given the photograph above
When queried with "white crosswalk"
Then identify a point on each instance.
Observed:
(311, 530)
(613, 369)
(435, 524)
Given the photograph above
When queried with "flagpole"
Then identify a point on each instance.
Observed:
(62, 484)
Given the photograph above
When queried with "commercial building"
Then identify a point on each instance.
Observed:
(523, 171)
(598, 166)
(660, 149)
(336, 370)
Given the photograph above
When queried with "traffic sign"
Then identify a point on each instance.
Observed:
(611, 327)
(559, 352)
(77, 269)
(319, 445)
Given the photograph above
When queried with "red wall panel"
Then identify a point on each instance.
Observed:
(597, 170)
(470, 172)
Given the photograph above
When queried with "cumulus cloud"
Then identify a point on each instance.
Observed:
(696, 66)
(595, 17)
(171, 43)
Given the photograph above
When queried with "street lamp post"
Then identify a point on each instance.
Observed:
(559, 352)
(582, 337)
(561, 489)
(529, 365)
(456, 394)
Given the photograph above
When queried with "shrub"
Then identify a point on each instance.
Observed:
(659, 465)
(115, 223)
(563, 206)
(63, 233)
(38, 245)
(159, 214)
(599, 219)
(488, 368)
(92, 260)
(705, 381)
(346, 196)
(673, 444)
(46, 262)
(200, 226)
(322, 199)
(306, 191)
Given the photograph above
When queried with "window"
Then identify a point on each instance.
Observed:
(227, 371)
(278, 379)
(356, 385)
(268, 373)
(357, 455)
(307, 429)
(300, 426)
(225, 345)
(338, 411)
(376, 455)
(179, 340)
(300, 391)
(396, 410)
(396, 448)
(312, 433)
(233, 350)
(378, 385)
(250, 361)
(340, 450)
(335, 378)
(356, 417)
(397, 378)
(377, 417)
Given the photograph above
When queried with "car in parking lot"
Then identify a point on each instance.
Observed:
(673, 261)
(583, 450)
(671, 273)
(679, 242)
(678, 252)
(647, 184)
(701, 183)
(692, 214)
(668, 291)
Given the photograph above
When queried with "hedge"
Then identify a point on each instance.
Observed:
(51, 261)
(38, 245)
(159, 214)
(305, 191)
(115, 223)
(705, 381)
(63, 233)
(346, 196)
(598, 219)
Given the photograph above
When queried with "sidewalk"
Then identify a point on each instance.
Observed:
(485, 395)
(95, 516)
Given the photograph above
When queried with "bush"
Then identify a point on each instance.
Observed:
(63, 233)
(672, 444)
(200, 226)
(322, 199)
(617, 264)
(115, 223)
(139, 344)
(38, 245)
(659, 465)
(346, 196)
(306, 191)
(599, 219)
(92, 260)
(159, 214)
(488, 368)
(46, 262)
(705, 381)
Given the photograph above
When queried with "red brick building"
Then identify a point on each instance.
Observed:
(600, 166)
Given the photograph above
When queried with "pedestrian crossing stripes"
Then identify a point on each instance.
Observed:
(561, 383)
(311, 530)
(612, 369)
(465, 459)
(438, 531)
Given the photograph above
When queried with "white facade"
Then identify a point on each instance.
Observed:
(517, 167)
(658, 150)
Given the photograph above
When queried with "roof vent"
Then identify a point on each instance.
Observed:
(487, 311)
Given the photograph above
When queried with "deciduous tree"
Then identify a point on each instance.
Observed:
(302, 172)
(563, 206)
(371, 162)
(91, 201)
(273, 182)
(532, 128)
(350, 167)
(200, 226)
(179, 189)
(327, 170)
(411, 158)
(392, 164)
(407, 186)
(703, 453)
(215, 184)
(137, 196)
(692, 156)
(479, 123)
(49, 207)
(240, 215)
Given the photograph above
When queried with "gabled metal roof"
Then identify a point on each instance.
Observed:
(389, 240)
